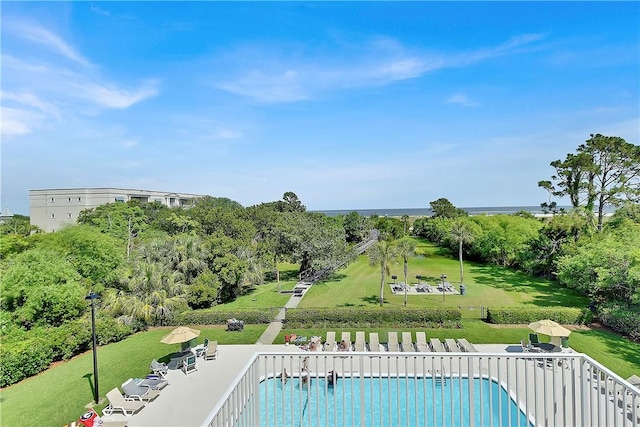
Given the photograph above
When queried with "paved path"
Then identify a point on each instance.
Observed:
(275, 327)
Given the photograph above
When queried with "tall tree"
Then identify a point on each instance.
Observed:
(383, 253)
(406, 249)
(443, 208)
(405, 220)
(604, 171)
(461, 234)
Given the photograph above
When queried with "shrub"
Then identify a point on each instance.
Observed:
(24, 359)
(220, 317)
(522, 315)
(625, 320)
(372, 317)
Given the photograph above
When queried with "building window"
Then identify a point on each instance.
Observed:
(69, 199)
(119, 199)
(69, 215)
(52, 199)
(53, 216)
(79, 199)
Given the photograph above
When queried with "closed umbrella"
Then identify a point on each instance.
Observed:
(180, 335)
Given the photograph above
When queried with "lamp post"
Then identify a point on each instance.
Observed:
(92, 297)
(443, 276)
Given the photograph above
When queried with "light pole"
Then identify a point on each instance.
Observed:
(443, 276)
(92, 297)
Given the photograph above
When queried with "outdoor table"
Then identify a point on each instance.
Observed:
(549, 348)
(178, 358)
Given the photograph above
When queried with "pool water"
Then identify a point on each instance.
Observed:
(387, 401)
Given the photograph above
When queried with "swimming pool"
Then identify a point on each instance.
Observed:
(387, 401)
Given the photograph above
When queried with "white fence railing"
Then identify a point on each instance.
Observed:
(427, 389)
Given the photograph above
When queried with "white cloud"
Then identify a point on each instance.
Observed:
(273, 74)
(113, 97)
(95, 8)
(222, 133)
(461, 99)
(46, 38)
(31, 100)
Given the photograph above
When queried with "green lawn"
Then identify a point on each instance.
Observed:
(486, 285)
(68, 387)
(58, 396)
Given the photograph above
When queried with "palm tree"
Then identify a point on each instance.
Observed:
(461, 233)
(406, 249)
(150, 295)
(405, 219)
(382, 253)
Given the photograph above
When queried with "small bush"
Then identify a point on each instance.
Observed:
(23, 360)
(372, 317)
(523, 315)
(625, 320)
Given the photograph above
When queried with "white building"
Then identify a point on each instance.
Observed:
(52, 209)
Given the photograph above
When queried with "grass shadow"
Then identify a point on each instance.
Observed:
(371, 299)
(544, 293)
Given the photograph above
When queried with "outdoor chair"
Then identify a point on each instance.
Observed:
(407, 343)
(200, 350)
(153, 383)
(330, 343)
(533, 338)
(359, 345)
(134, 391)
(392, 343)
(117, 402)
(421, 342)
(466, 346)
(451, 345)
(190, 364)
(159, 368)
(346, 340)
(436, 345)
(212, 351)
(374, 342)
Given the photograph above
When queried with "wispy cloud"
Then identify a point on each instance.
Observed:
(59, 87)
(461, 99)
(273, 74)
(95, 8)
(42, 36)
(15, 122)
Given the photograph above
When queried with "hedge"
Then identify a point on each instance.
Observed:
(27, 353)
(522, 315)
(372, 317)
(625, 320)
(219, 317)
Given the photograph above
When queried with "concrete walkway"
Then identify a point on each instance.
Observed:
(274, 328)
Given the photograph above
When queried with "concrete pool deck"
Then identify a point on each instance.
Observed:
(188, 399)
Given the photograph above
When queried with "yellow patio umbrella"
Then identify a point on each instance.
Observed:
(551, 328)
(180, 335)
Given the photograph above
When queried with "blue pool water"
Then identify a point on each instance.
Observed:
(388, 401)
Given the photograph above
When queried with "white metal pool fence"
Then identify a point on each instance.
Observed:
(567, 389)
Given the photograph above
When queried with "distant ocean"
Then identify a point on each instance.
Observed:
(493, 210)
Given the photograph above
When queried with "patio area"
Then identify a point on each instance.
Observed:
(188, 399)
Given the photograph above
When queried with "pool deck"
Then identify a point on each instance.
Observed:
(188, 399)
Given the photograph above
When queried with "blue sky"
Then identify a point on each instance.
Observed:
(350, 105)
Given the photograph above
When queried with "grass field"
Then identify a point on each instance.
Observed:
(486, 285)
(68, 386)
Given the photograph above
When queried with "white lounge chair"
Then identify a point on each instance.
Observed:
(407, 343)
(134, 391)
(451, 345)
(346, 341)
(392, 344)
(466, 346)
(437, 346)
(159, 368)
(212, 351)
(421, 342)
(374, 342)
(359, 344)
(117, 402)
(330, 343)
